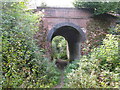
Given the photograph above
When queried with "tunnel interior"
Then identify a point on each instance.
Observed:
(73, 35)
(69, 33)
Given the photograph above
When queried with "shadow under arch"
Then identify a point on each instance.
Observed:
(74, 36)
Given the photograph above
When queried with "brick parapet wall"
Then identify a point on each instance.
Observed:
(53, 16)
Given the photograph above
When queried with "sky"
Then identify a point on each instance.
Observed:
(59, 3)
(52, 3)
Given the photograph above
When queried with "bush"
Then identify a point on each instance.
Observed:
(100, 7)
(59, 45)
(99, 69)
(23, 64)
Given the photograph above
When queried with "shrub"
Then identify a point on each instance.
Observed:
(23, 64)
(99, 69)
(59, 47)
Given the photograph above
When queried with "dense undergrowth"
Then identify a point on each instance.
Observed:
(99, 69)
(23, 63)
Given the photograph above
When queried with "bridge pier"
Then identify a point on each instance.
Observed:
(73, 50)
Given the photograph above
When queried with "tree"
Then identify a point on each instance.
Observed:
(99, 7)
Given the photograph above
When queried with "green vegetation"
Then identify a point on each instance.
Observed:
(59, 45)
(99, 7)
(100, 69)
(23, 63)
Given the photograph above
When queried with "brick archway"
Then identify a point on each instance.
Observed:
(66, 24)
(73, 35)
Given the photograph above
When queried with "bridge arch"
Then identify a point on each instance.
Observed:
(73, 34)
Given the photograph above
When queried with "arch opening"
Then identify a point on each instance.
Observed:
(59, 50)
(73, 34)
(68, 32)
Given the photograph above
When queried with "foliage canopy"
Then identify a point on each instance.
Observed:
(98, 7)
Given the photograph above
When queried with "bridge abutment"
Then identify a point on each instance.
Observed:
(73, 35)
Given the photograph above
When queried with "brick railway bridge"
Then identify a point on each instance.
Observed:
(71, 23)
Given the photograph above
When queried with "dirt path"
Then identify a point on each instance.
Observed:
(61, 64)
(60, 85)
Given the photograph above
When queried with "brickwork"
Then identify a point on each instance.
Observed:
(53, 16)
(73, 24)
